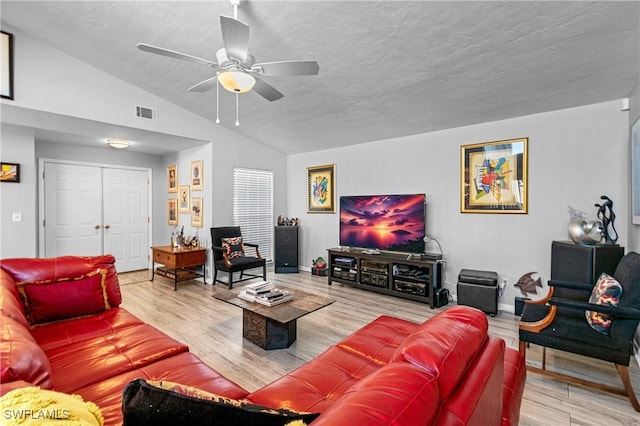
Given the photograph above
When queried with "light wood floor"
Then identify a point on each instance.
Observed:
(213, 331)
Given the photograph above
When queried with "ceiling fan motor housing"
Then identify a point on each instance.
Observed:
(227, 63)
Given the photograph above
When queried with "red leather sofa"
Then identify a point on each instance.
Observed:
(446, 371)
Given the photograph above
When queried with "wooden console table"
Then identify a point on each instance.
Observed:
(179, 263)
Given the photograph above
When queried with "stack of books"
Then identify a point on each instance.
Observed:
(265, 293)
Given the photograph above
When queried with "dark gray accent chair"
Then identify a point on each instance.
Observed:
(558, 321)
(221, 261)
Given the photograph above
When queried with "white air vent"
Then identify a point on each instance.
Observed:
(146, 113)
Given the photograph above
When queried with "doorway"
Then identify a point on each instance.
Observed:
(91, 210)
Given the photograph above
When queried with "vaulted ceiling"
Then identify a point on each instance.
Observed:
(387, 68)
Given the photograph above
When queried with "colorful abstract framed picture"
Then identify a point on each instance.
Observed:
(172, 212)
(321, 191)
(494, 177)
(9, 172)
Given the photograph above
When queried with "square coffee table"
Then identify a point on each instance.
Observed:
(273, 327)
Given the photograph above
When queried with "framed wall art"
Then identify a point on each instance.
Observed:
(196, 175)
(196, 212)
(494, 177)
(9, 172)
(172, 212)
(321, 194)
(6, 65)
(184, 196)
(635, 173)
(172, 179)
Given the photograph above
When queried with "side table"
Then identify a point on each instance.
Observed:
(179, 263)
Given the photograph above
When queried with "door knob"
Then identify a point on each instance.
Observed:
(107, 226)
(96, 227)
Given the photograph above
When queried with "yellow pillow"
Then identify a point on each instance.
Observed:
(35, 406)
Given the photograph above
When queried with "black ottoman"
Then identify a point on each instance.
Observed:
(478, 289)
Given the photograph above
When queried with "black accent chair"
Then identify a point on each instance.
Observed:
(558, 321)
(222, 262)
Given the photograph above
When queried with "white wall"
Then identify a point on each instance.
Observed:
(18, 238)
(575, 155)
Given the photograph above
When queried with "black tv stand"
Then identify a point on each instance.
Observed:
(398, 274)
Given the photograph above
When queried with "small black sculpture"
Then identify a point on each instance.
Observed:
(607, 216)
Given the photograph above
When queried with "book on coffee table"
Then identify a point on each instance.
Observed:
(271, 298)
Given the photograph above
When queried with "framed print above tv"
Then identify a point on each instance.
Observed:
(321, 189)
(494, 177)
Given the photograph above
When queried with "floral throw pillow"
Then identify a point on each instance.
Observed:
(234, 247)
(607, 291)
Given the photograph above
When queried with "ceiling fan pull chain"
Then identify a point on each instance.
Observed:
(217, 101)
(237, 103)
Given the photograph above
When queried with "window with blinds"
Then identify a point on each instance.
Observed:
(253, 207)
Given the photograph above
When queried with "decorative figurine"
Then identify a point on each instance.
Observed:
(606, 214)
(582, 231)
(527, 284)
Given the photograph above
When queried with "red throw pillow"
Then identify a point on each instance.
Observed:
(48, 301)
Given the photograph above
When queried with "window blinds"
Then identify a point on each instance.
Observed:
(253, 207)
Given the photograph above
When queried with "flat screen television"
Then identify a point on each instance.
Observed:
(383, 222)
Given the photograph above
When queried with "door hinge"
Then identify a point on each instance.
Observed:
(148, 219)
(42, 175)
(44, 222)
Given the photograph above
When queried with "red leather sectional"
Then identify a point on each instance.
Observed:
(446, 371)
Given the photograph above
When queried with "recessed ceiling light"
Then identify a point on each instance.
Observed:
(118, 143)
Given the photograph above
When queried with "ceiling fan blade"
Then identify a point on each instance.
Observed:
(287, 68)
(235, 36)
(266, 90)
(205, 85)
(173, 54)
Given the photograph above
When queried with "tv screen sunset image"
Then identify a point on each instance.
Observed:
(384, 222)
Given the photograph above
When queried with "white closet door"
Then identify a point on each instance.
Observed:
(126, 217)
(73, 210)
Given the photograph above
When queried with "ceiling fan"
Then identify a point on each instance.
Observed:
(236, 68)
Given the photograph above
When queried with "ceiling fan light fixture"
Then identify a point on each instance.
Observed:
(118, 143)
(236, 81)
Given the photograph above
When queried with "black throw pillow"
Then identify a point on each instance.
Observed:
(165, 403)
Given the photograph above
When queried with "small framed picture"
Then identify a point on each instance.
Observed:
(321, 189)
(183, 199)
(196, 212)
(172, 211)
(196, 175)
(9, 172)
(172, 179)
(6, 65)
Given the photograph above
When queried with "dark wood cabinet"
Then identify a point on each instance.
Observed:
(396, 274)
(582, 263)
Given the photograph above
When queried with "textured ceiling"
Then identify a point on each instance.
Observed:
(387, 68)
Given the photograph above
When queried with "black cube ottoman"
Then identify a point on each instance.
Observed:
(478, 289)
